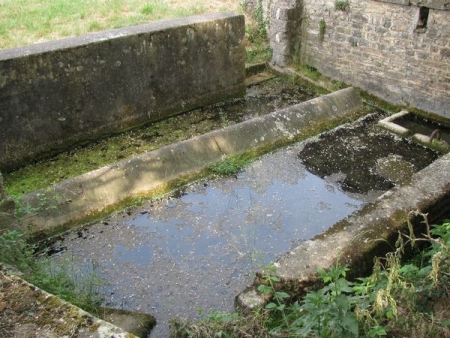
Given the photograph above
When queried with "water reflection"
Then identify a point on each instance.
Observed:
(198, 251)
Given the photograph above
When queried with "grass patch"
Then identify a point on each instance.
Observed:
(25, 22)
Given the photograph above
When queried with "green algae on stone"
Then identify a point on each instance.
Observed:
(99, 153)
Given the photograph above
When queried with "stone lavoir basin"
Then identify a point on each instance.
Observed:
(193, 252)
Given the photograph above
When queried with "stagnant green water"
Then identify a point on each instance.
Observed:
(261, 98)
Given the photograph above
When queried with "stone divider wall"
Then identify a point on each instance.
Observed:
(379, 46)
(60, 93)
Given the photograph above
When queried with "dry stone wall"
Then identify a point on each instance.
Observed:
(398, 50)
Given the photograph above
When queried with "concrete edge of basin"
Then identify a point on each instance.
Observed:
(359, 238)
(426, 140)
(74, 200)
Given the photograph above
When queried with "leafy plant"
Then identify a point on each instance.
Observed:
(47, 202)
(328, 312)
(15, 251)
(21, 209)
(323, 313)
(396, 299)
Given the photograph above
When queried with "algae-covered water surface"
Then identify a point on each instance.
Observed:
(261, 98)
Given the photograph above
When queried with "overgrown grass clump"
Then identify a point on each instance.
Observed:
(400, 299)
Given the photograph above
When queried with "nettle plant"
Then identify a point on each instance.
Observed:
(398, 297)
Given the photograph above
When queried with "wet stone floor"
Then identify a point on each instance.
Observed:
(190, 254)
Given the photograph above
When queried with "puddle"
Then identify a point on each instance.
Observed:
(187, 255)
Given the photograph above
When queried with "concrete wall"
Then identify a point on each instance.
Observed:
(56, 94)
(374, 45)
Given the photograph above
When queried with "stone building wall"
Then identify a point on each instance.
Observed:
(379, 46)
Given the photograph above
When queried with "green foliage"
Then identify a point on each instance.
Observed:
(261, 22)
(229, 167)
(256, 35)
(22, 209)
(147, 9)
(342, 5)
(15, 251)
(47, 201)
(323, 313)
(338, 85)
(328, 312)
(80, 286)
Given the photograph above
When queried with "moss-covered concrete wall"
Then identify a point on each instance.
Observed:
(59, 93)
(398, 50)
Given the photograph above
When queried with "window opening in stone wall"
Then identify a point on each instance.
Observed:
(423, 18)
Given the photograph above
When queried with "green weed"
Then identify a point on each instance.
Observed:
(258, 48)
(78, 284)
(309, 72)
(229, 167)
(15, 251)
(338, 85)
(147, 10)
